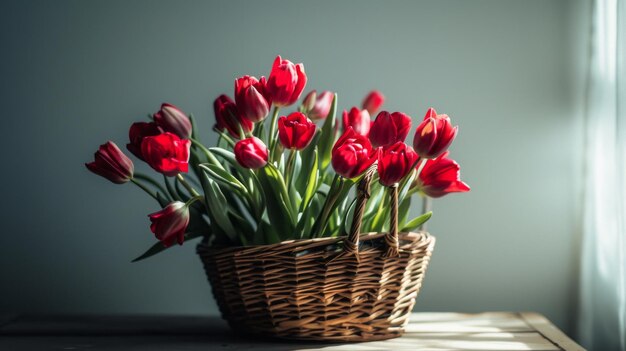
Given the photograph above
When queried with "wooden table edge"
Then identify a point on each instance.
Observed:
(542, 325)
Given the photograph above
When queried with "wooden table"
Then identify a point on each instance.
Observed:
(427, 331)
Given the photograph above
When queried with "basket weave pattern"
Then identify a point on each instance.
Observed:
(308, 289)
(352, 288)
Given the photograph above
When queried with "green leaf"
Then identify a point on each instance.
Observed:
(279, 210)
(219, 206)
(311, 182)
(220, 175)
(327, 138)
(416, 222)
(158, 247)
(349, 218)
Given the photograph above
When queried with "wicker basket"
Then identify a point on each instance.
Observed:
(354, 288)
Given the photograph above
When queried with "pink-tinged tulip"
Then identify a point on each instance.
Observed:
(395, 162)
(169, 224)
(171, 119)
(137, 132)
(309, 101)
(321, 105)
(434, 135)
(227, 117)
(352, 154)
(286, 82)
(111, 163)
(295, 131)
(252, 99)
(166, 153)
(251, 153)
(389, 128)
(359, 120)
(440, 177)
(373, 102)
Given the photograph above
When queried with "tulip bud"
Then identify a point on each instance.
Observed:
(286, 82)
(389, 128)
(252, 99)
(309, 101)
(352, 154)
(434, 135)
(373, 102)
(171, 119)
(395, 162)
(440, 177)
(322, 106)
(137, 132)
(111, 163)
(359, 120)
(295, 131)
(170, 223)
(166, 153)
(251, 153)
(227, 117)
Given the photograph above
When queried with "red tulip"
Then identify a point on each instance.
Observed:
(166, 153)
(352, 154)
(251, 153)
(389, 128)
(286, 82)
(137, 132)
(434, 135)
(321, 107)
(441, 176)
(295, 131)
(395, 162)
(252, 99)
(171, 119)
(227, 117)
(359, 120)
(373, 102)
(169, 224)
(111, 163)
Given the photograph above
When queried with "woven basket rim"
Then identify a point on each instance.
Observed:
(303, 244)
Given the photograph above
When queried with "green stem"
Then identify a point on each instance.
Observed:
(333, 194)
(206, 151)
(144, 188)
(273, 126)
(289, 168)
(189, 188)
(225, 136)
(151, 181)
(421, 167)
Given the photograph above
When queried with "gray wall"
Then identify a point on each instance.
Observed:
(76, 73)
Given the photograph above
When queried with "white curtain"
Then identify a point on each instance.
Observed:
(602, 317)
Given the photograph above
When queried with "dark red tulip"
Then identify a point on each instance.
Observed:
(373, 102)
(169, 224)
(252, 99)
(395, 162)
(359, 120)
(166, 153)
(111, 163)
(321, 106)
(286, 82)
(295, 131)
(137, 132)
(440, 177)
(251, 153)
(434, 135)
(227, 117)
(389, 128)
(352, 154)
(171, 119)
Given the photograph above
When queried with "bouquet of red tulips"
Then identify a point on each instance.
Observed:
(289, 176)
